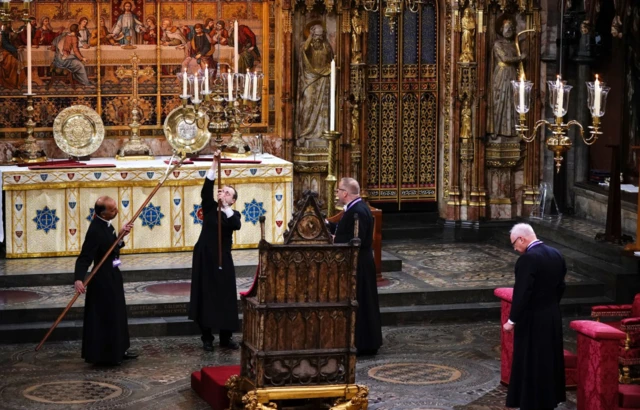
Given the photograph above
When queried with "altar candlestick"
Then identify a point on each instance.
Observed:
(184, 82)
(235, 46)
(247, 84)
(206, 78)
(559, 97)
(332, 98)
(521, 93)
(196, 93)
(255, 86)
(230, 84)
(29, 79)
(597, 96)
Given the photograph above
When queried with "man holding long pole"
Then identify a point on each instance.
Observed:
(213, 303)
(105, 333)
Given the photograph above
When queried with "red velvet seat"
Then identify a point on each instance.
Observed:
(209, 383)
(506, 345)
(628, 396)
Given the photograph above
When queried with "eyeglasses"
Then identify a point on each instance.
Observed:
(515, 240)
(341, 189)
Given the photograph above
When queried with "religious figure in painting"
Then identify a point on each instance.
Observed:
(150, 35)
(219, 35)
(313, 87)
(10, 66)
(468, 23)
(199, 52)
(22, 36)
(248, 53)
(45, 33)
(69, 57)
(502, 114)
(84, 34)
(105, 40)
(127, 26)
(171, 35)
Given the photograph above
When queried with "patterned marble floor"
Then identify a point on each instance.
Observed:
(431, 367)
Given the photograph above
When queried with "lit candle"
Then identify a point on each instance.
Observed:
(332, 98)
(184, 83)
(255, 86)
(230, 83)
(559, 97)
(235, 46)
(247, 84)
(206, 78)
(596, 97)
(196, 93)
(521, 94)
(28, 55)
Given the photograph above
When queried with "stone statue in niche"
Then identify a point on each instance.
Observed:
(465, 123)
(313, 88)
(357, 25)
(502, 116)
(468, 23)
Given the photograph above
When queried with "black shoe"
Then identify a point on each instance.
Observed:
(128, 355)
(208, 346)
(367, 352)
(230, 344)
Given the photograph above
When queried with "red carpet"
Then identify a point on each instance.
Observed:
(209, 384)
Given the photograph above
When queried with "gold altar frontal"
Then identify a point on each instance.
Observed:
(48, 211)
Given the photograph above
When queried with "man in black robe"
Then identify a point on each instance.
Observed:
(213, 303)
(368, 324)
(537, 372)
(105, 332)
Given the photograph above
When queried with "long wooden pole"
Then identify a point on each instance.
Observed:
(106, 255)
(219, 214)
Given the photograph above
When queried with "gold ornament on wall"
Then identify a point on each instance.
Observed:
(468, 36)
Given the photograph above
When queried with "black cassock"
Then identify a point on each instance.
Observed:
(105, 333)
(368, 324)
(214, 296)
(537, 373)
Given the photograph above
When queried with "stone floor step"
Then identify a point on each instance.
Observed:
(135, 268)
(180, 325)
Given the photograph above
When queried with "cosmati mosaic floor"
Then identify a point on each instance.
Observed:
(431, 367)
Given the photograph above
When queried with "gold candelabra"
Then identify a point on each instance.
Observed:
(331, 137)
(231, 101)
(559, 143)
(392, 9)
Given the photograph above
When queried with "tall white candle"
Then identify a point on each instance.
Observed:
(230, 84)
(196, 92)
(29, 57)
(184, 82)
(332, 98)
(206, 78)
(255, 86)
(597, 96)
(247, 84)
(559, 97)
(521, 94)
(235, 46)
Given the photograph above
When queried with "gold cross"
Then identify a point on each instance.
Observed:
(134, 72)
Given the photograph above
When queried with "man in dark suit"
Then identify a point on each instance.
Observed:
(368, 324)
(537, 373)
(105, 333)
(214, 297)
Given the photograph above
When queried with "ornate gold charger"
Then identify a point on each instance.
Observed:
(185, 131)
(78, 130)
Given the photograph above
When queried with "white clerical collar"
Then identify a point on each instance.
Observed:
(108, 222)
(350, 204)
(534, 243)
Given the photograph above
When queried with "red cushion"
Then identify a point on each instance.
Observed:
(629, 395)
(596, 330)
(570, 360)
(196, 382)
(635, 307)
(505, 294)
(214, 391)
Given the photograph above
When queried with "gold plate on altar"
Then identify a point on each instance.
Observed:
(78, 130)
(186, 130)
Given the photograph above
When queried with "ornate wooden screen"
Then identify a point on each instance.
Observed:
(299, 318)
(402, 98)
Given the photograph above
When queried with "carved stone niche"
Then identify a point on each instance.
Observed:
(310, 171)
(299, 316)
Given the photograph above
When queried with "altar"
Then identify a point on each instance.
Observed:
(48, 211)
